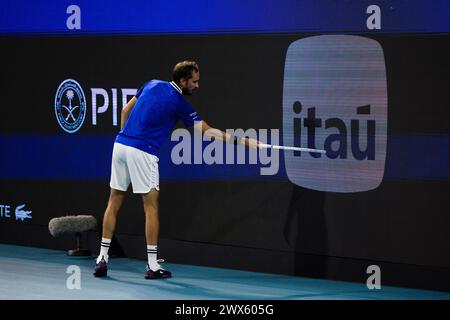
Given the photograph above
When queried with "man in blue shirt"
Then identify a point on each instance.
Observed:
(146, 123)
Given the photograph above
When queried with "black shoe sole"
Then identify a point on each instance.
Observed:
(100, 274)
(157, 277)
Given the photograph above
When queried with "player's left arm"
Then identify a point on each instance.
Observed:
(209, 131)
(126, 112)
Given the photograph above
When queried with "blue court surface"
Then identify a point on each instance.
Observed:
(41, 274)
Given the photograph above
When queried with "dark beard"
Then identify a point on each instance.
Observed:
(186, 92)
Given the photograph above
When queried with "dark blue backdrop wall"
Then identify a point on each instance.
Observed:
(229, 215)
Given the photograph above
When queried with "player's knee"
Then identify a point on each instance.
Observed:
(153, 203)
(150, 199)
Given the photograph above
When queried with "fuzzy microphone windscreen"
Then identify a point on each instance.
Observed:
(71, 224)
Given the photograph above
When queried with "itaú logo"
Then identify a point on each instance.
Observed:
(71, 105)
(335, 98)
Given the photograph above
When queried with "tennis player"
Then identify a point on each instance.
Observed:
(146, 123)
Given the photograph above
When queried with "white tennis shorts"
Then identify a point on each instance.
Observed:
(133, 165)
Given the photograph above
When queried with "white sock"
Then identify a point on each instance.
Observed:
(104, 247)
(152, 252)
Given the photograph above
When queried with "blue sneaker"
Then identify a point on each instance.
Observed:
(101, 269)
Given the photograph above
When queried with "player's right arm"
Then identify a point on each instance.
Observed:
(126, 112)
(209, 131)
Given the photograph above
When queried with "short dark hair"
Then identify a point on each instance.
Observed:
(184, 69)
